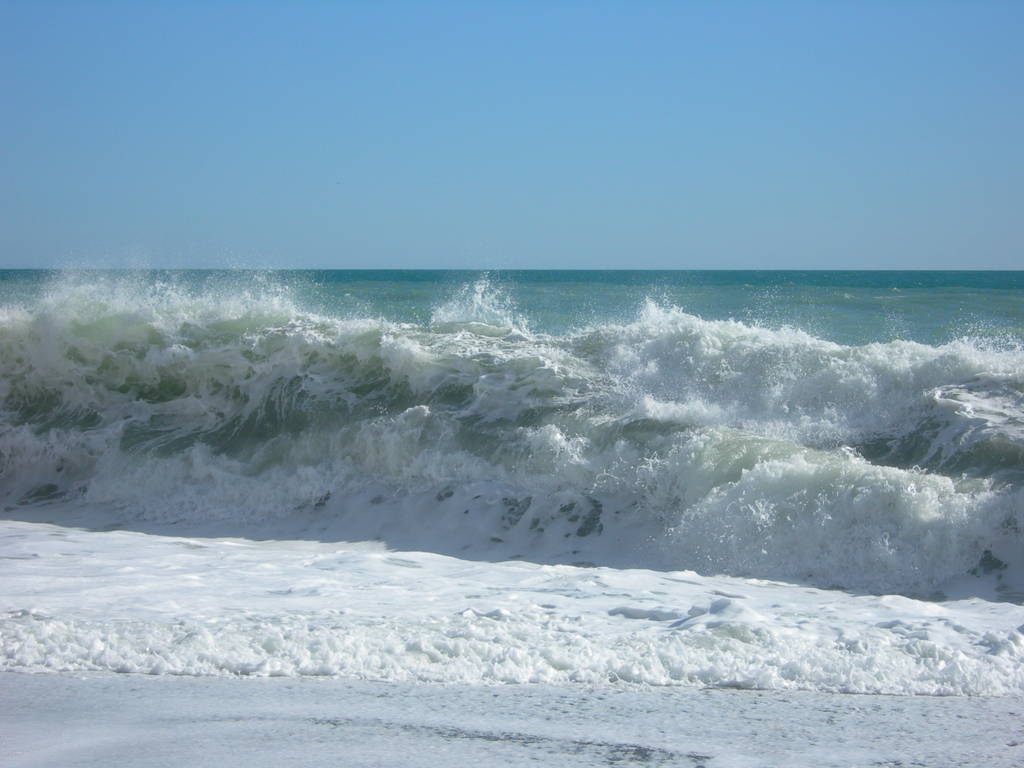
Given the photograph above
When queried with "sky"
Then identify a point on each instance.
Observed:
(672, 135)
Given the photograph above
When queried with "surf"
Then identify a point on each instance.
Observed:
(660, 439)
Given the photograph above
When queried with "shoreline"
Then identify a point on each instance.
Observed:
(105, 718)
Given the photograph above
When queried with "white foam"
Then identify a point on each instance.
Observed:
(233, 607)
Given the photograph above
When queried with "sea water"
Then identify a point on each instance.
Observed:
(807, 480)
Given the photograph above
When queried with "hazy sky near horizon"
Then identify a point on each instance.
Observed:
(500, 135)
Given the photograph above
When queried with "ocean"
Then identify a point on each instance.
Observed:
(782, 481)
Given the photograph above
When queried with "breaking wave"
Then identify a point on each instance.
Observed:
(661, 441)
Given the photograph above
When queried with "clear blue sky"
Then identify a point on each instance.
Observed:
(535, 135)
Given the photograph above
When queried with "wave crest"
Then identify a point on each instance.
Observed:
(669, 441)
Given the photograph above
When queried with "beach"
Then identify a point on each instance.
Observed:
(74, 720)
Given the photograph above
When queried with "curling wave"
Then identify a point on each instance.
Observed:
(665, 441)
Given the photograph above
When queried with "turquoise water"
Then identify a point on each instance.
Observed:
(849, 307)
